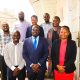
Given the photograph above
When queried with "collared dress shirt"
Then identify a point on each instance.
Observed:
(33, 39)
(13, 55)
(37, 39)
(22, 28)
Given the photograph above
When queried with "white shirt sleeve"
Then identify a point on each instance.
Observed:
(12, 68)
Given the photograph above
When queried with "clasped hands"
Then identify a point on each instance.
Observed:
(16, 71)
(61, 69)
(36, 67)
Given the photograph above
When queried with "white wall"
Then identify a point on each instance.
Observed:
(67, 10)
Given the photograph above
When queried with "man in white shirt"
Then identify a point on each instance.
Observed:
(21, 25)
(47, 25)
(13, 58)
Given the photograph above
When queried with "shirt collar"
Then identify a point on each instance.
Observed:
(47, 23)
(7, 35)
(17, 43)
(36, 37)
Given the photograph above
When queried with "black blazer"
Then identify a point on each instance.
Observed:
(70, 55)
(29, 32)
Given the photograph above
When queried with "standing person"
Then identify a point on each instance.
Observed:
(5, 37)
(34, 20)
(53, 34)
(21, 25)
(64, 55)
(13, 58)
(35, 53)
(47, 25)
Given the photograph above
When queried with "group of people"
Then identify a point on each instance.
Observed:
(30, 46)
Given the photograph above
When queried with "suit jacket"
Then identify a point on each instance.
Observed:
(70, 55)
(29, 32)
(35, 56)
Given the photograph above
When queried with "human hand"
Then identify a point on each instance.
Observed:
(35, 67)
(61, 69)
(16, 71)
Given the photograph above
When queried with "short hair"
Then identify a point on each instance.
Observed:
(5, 23)
(36, 26)
(34, 16)
(21, 12)
(16, 31)
(47, 14)
(57, 17)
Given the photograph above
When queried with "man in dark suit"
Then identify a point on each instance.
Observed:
(34, 20)
(35, 53)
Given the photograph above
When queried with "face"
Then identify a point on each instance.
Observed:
(35, 32)
(5, 27)
(21, 16)
(16, 37)
(46, 17)
(64, 33)
(56, 22)
(34, 21)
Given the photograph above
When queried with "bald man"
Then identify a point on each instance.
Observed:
(21, 25)
(5, 37)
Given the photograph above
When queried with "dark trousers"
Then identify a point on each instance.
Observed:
(20, 76)
(3, 68)
(36, 76)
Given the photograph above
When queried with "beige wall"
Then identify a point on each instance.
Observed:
(7, 16)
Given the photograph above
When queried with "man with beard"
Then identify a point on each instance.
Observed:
(5, 37)
(47, 25)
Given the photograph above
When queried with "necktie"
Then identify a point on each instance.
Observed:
(35, 43)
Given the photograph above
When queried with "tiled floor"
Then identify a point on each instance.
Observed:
(45, 79)
(27, 79)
